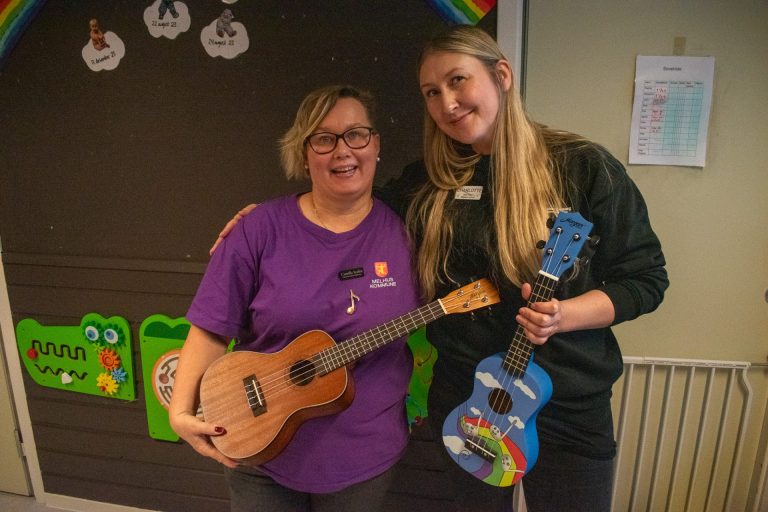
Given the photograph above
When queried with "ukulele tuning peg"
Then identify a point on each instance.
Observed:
(540, 244)
(550, 221)
(589, 249)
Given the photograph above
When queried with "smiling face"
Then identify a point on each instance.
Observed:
(462, 96)
(344, 174)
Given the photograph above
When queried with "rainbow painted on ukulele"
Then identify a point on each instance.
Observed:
(493, 435)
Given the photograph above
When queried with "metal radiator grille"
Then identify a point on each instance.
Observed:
(680, 426)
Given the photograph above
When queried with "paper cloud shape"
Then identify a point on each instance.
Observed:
(107, 58)
(171, 24)
(228, 44)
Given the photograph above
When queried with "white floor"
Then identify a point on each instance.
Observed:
(16, 503)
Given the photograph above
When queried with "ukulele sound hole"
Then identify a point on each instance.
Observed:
(500, 401)
(302, 372)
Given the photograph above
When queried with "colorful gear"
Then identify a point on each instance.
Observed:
(119, 375)
(109, 359)
(106, 383)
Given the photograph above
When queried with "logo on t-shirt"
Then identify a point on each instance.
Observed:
(380, 267)
(382, 271)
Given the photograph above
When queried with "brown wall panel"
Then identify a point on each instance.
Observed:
(119, 417)
(136, 447)
(137, 496)
(114, 185)
(116, 470)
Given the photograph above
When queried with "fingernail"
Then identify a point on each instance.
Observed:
(219, 430)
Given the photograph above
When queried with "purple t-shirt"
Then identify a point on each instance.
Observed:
(277, 276)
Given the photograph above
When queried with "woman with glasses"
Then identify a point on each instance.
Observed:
(478, 203)
(303, 262)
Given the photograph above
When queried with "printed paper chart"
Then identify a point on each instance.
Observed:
(671, 110)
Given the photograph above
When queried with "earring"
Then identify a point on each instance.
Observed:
(378, 159)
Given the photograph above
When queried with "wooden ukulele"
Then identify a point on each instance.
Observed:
(261, 399)
(492, 435)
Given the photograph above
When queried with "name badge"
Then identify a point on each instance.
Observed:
(351, 273)
(470, 192)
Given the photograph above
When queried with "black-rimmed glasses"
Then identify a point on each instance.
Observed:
(355, 138)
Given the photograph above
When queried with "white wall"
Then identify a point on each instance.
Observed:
(711, 221)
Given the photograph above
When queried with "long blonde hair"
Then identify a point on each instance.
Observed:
(522, 181)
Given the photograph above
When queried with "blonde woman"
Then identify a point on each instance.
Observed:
(477, 204)
(304, 262)
(480, 200)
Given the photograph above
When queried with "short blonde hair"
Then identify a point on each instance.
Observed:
(312, 111)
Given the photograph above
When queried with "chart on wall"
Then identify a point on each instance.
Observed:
(670, 114)
(95, 357)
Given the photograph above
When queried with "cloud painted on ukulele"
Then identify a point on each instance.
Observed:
(525, 389)
(516, 422)
(490, 381)
(454, 444)
(487, 380)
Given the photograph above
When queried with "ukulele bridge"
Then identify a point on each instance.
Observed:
(254, 395)
(479, 446)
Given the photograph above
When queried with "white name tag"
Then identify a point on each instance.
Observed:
(472, 192)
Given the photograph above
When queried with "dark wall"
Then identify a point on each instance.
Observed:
(148, 160)
(113, 185)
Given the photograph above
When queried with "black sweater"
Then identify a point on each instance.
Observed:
(628, 266)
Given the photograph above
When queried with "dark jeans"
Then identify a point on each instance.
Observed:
(467, 492)
(253, 491)
(562, 480)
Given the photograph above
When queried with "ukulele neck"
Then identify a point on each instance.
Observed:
(520, 350)
(356, 347)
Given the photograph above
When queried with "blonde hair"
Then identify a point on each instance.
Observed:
(312, 111)
(523, 182)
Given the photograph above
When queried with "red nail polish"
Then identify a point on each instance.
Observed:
(219, 430)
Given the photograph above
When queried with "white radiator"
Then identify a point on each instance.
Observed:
(681, 431)
(680, 426)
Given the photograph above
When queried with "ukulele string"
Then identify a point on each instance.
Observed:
(276, 383)
(283, 380)
(504, 377)
(329, 359)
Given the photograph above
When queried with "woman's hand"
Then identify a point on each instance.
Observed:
(197, 434)
(541, 320)
(230, 225)
(200, 350)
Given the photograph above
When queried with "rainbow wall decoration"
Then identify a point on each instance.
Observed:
(462, 12)
(15, 16)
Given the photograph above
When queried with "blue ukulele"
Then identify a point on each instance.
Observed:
(493, 434)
